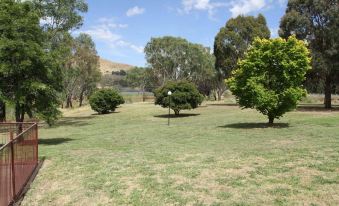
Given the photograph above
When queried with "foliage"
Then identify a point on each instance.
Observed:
(270, 76)
(136, 77)
(172, 58)
(105, 100)
(86, 61)
(142, 78)
(232, 41)
(59, 16)
(317, 22)
(28, 73)
(81, 73)
(184, 96)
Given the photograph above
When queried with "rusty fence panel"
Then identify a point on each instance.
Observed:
(18, 158)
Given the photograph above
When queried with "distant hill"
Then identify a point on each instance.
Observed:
(106, 66)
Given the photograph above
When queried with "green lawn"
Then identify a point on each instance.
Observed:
(214, 155)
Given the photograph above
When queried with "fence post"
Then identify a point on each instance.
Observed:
(12, 163)
(36, 143)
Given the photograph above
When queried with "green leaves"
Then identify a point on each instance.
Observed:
(271, 75)
(184, 96)
(173, 58)
(105, 100)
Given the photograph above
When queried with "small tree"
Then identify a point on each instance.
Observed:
(270, 76)
(105, 100)
(185, 95)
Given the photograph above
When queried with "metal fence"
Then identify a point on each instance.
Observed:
(18, 158)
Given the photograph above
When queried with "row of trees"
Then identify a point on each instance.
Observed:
(315, 22)
(41, 64)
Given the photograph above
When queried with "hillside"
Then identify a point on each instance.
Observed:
(106, 66)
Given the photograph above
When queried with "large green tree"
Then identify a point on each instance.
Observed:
(58, 18)
(81, 73)
(271, 75)
(172, 58)
(87, 61)
(28, 75)
(317, 22)
(185, 96)
(231, 43)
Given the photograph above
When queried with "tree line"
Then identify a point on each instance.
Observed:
(43, 67)
(315, 22)
(41, 64)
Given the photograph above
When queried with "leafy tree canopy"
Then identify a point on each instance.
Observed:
(233, 40)
(28, 76)
(105, 100)
(173, 58)
(317, 22)
(270, 76)
(185, 95)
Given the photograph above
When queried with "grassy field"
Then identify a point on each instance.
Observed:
(214, 155)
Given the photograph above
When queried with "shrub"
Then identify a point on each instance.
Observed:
(185, 95)
(105, 100)
(271, 76)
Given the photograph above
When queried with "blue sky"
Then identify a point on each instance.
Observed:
(121, 28)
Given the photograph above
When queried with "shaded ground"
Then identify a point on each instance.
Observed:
(224, 156)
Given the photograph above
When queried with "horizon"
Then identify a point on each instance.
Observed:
(121, 29)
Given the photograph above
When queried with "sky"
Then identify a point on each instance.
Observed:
(122, 28)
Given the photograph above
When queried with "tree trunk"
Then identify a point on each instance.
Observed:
(81, 98)
(176, 112)
(328, 92)
(270, 120)
(19, 115)
(19, 112)
(69, 102)
(219, 93)
(2, 111)
(143, 94)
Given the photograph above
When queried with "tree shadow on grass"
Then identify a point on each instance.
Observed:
(97, 114)
(176, 116)
(316, 108)
(54, 141)
(73, 121)
(223, 104)
(255, 125)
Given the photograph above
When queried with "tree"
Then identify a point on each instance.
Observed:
(58, 18)
(185, 95)
(172, 59)
(105, 100)
(87, 61)
(231, 43)
(137, 78)
(29, 71)
(270, 76)
(317, 22)
(81, 73)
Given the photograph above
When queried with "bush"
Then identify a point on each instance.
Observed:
(270, 77)
(185, 95)
(105, 100)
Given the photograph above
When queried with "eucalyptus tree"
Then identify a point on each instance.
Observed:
(82, 70)
(174, 58)
(316, 22)
(231, 43)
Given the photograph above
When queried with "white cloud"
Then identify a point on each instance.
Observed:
(135, 11)
(106, 31)
(243, 7)
(200, 5)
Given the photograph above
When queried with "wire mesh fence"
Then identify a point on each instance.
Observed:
(18, 158)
